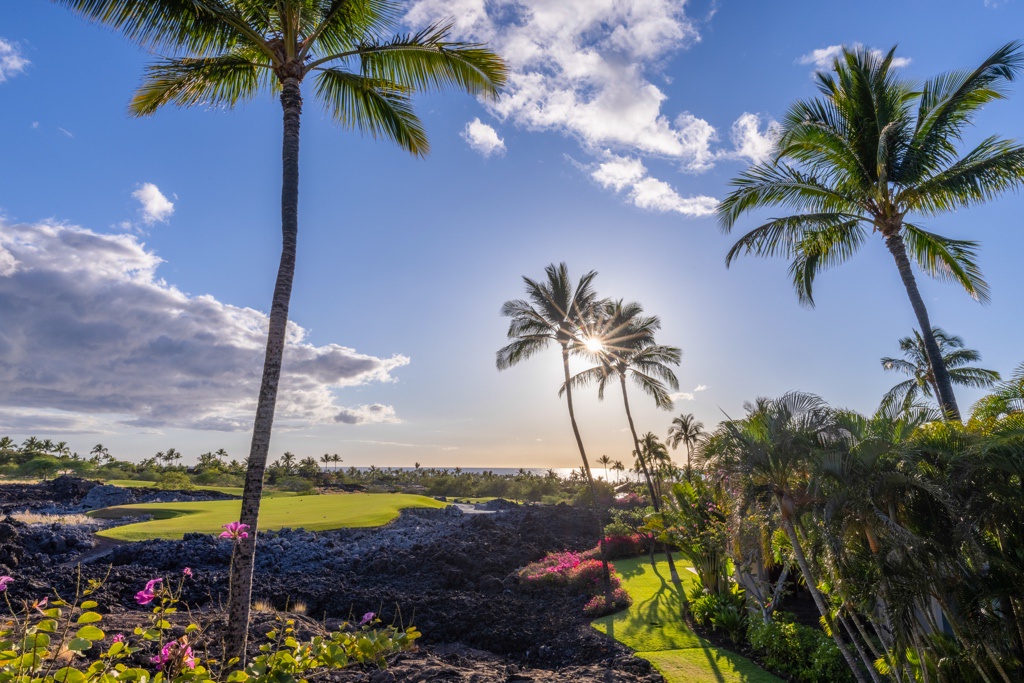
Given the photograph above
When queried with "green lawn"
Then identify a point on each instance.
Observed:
(316, 513)
(229, 490)
(653, 628)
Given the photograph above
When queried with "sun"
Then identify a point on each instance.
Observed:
(594, 344)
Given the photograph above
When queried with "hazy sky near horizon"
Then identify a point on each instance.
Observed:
(137, 256)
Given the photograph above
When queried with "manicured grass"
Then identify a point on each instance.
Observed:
(653, 627)
(229, 490)
(316, 513)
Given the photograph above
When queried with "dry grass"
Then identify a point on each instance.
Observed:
(37, 518)
(297, 607)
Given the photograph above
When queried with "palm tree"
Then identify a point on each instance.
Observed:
(229, 51)
(335, 458)
(685, 429)
(915, 363)
(772, 451)
(858, 161)
(220, 454)
(627, 349)
(555, 311)
(604, 461)
(619, 468)
(288, 462)
(1007, 398)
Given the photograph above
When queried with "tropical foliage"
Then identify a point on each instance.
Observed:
(867, 157)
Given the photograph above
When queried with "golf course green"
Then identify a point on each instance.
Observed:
(315, 513)
(653, 628)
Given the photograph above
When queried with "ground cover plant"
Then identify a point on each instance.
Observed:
(580, 573)
(173, 520)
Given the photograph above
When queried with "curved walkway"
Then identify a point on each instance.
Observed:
(653, 628)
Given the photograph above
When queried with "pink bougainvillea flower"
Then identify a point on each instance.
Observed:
(174, 650)
(187, 572)
(119, 638)
(41, 603)
(235, 531)
(367, 618)
(147, 594)
(4, 580)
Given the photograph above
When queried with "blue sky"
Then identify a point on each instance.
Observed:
(144, 249)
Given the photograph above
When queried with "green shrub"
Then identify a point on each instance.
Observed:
(175, 481)
(731, 619)
(296, 484)
(804, 654)
(703, 606)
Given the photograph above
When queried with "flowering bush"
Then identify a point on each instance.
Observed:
(628, 501)
(580, 573)
(596, 607)
(60, 641)
(622, 546)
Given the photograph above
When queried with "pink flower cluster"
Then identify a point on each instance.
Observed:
(174, 650)
(146, 595)
(4, 581)
(579, 571)
(235, 531)
(596, 606)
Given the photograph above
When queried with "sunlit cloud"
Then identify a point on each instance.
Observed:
(93, 336)
(155, 206)
(823, 58)
(12, 61)
(483, 139)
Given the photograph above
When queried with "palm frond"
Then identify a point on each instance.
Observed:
(209, 81)
(947, 259)
(374, 106)
(991, 169)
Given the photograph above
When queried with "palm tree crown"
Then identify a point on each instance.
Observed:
(873, 150)
(915, 363)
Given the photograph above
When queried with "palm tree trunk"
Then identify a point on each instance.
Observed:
(819, 600)
(947, 401)
(655, 500)
(590, 480)
(240, 592)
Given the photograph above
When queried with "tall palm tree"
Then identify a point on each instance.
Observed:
(922, 379)
(687, 430)
(859, 160)
(556, 310)
(627, 350)
(604, 461)
(229, 51)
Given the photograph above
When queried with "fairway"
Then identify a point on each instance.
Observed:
(316, 513)
(653, 628)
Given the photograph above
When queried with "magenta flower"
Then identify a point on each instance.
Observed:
(4, 580)
(119, 638)
(187, 572)
(171, 651)
(367, 618)
(146, 595)
(235, 531)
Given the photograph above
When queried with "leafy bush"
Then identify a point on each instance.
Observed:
(731, 619)
(61, 641)
(622, 546)
(175, 481)
(296, 484)
(703, 606)
(597, 606)
(804, 654)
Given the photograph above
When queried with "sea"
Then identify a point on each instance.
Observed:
(563, 472)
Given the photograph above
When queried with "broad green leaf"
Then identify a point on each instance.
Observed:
(89, 618)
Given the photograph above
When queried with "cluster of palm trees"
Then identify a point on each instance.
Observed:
(616, 337)
(907, 531)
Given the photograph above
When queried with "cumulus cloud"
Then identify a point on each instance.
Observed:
(483, 138)
(645, 192)
(748, 140)
(688, 395)
(12, 62)
(93, 336)
(370, 414)
(155, 206)
(822, 58)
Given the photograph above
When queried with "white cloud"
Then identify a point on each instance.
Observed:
(155, 206)
(12, 62)
(681, 396)
(822, 58)
(748, 140)
(646, 192)
(483, 138)
(701, 387)
(93, 337)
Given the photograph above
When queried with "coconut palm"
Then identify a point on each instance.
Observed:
(627, 350)
(619, 468)
(228, 51)
(860, 160)
(555, 310)
(605, 462)
(687, 430)
(915, 363)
